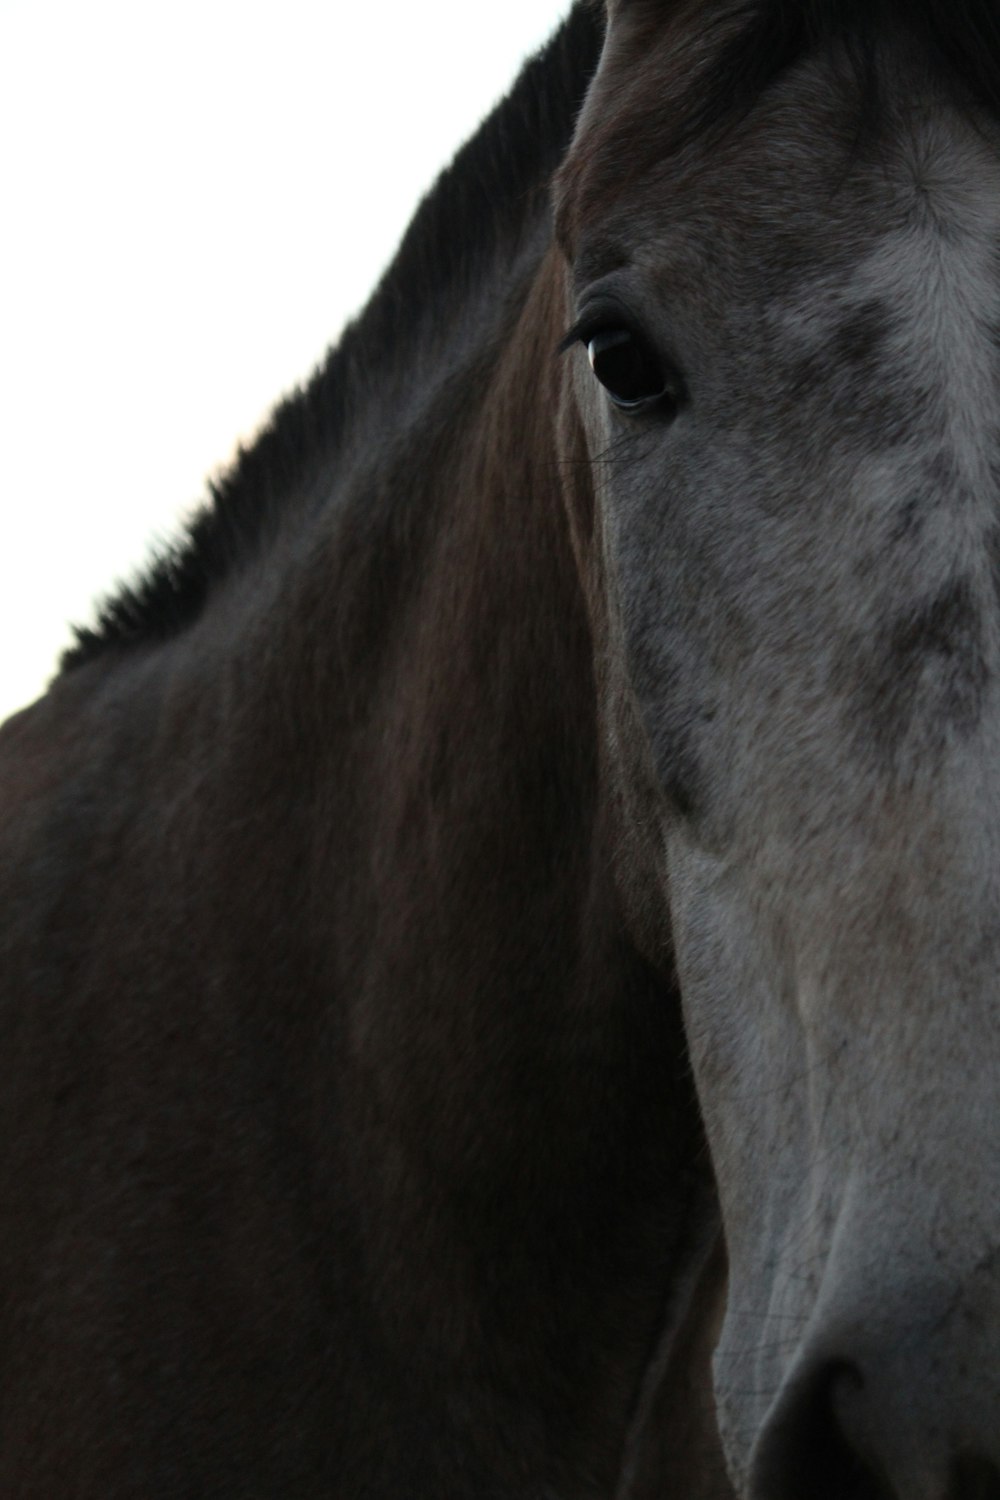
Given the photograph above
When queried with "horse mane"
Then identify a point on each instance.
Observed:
(476, 205)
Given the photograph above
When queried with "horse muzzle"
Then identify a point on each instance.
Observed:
(897, 1399)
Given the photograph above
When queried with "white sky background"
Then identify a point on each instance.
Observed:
(193, 199)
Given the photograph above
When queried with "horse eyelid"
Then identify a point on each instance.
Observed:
(593, 323)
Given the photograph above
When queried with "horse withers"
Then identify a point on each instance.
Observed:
(500, 966)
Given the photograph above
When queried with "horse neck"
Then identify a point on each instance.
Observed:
(362, 810)
(491, 930)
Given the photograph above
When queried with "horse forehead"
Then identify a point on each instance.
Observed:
(654, 73)
(639, 148)
(627, 116)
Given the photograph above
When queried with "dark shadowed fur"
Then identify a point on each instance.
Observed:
(761, 41)
(960, 40)
(926, 679)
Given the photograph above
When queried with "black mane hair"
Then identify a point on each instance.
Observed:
(476, 203)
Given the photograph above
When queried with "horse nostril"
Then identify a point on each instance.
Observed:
(805, 1449)
(828, 1439)
(974, 1478)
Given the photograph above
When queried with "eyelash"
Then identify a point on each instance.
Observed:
(585, 328)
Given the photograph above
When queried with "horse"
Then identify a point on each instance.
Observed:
(500, 921)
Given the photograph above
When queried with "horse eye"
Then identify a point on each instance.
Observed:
(628, 370)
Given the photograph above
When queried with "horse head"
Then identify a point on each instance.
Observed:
(780, 225)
